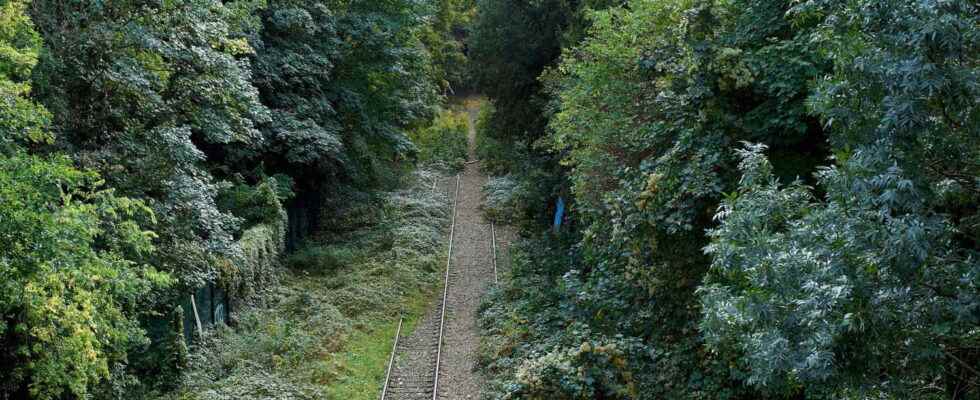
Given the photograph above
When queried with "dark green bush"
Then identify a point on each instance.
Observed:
(497, 156)
(258, 204)
(322, 259)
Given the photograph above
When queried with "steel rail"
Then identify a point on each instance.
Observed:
(493, 239)
(391, 361)
(445, 294)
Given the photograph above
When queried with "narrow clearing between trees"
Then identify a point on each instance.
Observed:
(471, 273)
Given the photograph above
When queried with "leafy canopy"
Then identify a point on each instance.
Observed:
(70, 282)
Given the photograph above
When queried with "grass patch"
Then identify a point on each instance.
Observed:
(369, 348)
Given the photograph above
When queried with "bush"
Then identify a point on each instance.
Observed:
(497, 156)
(257, 204)
(526, 185)
(322, 259)
(443, 143)
(501, 201)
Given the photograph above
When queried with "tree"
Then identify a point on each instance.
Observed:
(861, 293)
(871, 289)
(152, 95)
(71, 288)
(70, 279)
(445, 40)
(649, 107)
(344, 80)
(511, 44)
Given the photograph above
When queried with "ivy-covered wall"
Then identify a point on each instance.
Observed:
(262, 248)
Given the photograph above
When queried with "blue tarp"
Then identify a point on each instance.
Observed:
(559, 213)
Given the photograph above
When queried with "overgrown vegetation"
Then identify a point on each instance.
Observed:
(71, 269)
(152, 149)
(770, 200)
(496, 155)
(443, 143)
(766, 199)
(343, 289)
(445, 39)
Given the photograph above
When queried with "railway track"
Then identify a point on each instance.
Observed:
(445, 295)
(418, 376)
(437, 360)
(418, 369)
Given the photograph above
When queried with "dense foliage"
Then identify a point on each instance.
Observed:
(290, 346)
(70, 276)
(344, 80)
(768, 199)
(443, 143)
(173, 136)
(509, 54)
(445, 38)
(139, 91)
(834, 257)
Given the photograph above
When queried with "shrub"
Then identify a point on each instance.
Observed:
(322, 259)
(501, 201)
(497, 156)
(443, 143)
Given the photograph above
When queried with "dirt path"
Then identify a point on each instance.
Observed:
(471, 274)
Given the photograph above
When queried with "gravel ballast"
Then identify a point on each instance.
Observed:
(471, 274)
